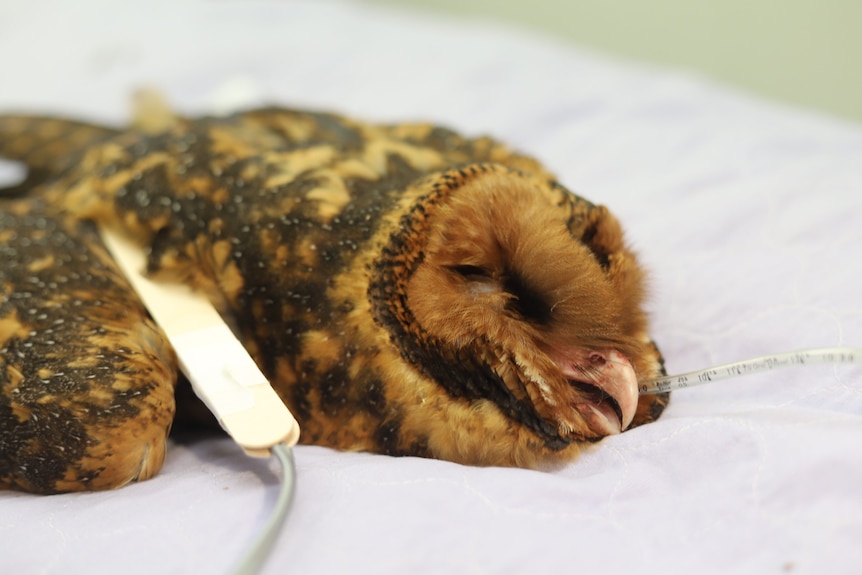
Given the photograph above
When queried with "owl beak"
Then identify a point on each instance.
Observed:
(610, 392)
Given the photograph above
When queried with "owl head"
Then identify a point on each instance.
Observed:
(504, 287)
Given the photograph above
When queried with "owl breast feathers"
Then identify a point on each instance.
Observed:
(407, 290)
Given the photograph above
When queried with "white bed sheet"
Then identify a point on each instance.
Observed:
(748, 213)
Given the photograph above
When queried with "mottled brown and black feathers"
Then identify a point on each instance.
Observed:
(86, 379)
(409, 291)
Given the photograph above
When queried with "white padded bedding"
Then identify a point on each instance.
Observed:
(747, 213)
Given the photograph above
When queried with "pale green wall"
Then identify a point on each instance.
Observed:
(806, 52)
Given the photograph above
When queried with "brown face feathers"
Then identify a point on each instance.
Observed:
(408, 291)
(500, 262)
(505, 282)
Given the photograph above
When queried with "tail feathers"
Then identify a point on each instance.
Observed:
(47, 145)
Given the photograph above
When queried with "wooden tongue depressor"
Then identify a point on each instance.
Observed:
(221, 372)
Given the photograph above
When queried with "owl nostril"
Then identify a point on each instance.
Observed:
(597, 359)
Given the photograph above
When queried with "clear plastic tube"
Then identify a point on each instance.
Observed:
(749, 366)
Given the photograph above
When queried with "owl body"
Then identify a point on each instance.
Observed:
(407, 290)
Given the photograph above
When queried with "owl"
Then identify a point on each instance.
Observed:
(407, 290)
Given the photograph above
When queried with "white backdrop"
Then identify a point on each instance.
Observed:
(748, 214)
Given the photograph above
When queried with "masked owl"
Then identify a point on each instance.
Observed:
(407, 290)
